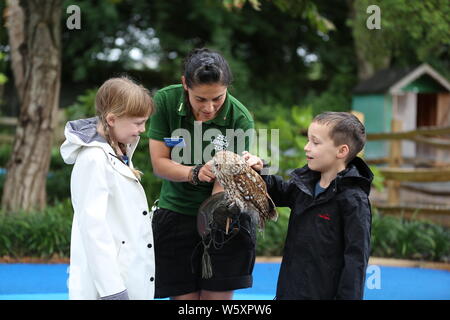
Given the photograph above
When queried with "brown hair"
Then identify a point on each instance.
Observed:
(345, 129)
(122, 97)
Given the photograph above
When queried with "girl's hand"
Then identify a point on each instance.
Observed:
(253, 161)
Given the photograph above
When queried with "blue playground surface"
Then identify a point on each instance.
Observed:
(49, 282)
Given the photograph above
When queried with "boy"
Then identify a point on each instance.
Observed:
(328, 239)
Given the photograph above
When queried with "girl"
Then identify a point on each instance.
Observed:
(200, 101)
(112, 241)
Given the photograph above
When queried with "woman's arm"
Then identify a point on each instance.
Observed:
(163, 166)
(166, 168)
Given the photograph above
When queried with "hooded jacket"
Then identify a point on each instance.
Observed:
(328, 239)
(111, 252)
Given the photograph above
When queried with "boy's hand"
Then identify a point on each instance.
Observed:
(253, 161)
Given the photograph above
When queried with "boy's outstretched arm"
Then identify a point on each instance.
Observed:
(281, 192)
(357, 218)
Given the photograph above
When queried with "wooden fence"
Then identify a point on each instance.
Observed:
(58, 136)
(398, 177)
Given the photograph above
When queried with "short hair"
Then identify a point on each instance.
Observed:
(345, 129)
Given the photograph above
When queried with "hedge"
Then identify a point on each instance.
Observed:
(47, 233)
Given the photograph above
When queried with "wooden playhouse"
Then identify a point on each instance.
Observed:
(418, 97)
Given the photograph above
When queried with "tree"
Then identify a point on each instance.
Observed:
(35, 43)
(260, 45)
(411, 32)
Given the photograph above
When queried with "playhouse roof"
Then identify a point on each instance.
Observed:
(393, 80)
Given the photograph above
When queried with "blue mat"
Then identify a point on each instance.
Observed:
(49, 282)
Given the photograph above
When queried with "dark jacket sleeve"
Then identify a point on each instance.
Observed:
(279, 190)
(356, 215)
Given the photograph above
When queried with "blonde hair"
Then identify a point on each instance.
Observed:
(122, 97)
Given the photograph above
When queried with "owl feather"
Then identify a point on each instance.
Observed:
(244, 187)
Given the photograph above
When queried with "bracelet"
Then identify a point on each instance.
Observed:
(194, 176)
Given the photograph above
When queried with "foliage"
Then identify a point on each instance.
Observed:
(58, 178)
(378, 179)
(270, 242)
(38, 234)
(5, 151)
(269, 44)
(411, 31)
(263, 53)
(409, 239)
(296, 8)
(290, 123)
(99, 25)
(84, 106)
(151, 183)
(3, 77)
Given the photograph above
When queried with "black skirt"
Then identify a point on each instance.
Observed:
(179, 250)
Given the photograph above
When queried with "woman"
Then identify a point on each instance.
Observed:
(200, 102)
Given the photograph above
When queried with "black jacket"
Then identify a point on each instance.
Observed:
(328, 240)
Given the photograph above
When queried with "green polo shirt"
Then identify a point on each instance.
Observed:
(174, 119)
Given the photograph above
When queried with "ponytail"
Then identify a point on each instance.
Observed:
(203, 66)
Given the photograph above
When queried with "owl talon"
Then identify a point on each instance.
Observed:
(227, 226)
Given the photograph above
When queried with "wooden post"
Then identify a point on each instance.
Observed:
(395, 150)
(395, 161)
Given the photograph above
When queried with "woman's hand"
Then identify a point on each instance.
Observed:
(253, 161)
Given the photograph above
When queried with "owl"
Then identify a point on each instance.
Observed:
(243, 187)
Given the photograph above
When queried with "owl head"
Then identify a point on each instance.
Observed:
(228, 163)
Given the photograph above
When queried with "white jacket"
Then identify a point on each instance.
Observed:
(112, 240)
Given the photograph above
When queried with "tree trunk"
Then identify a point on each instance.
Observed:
(35, 40)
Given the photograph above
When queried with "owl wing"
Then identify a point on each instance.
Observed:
(271, 212)
(253, 190)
